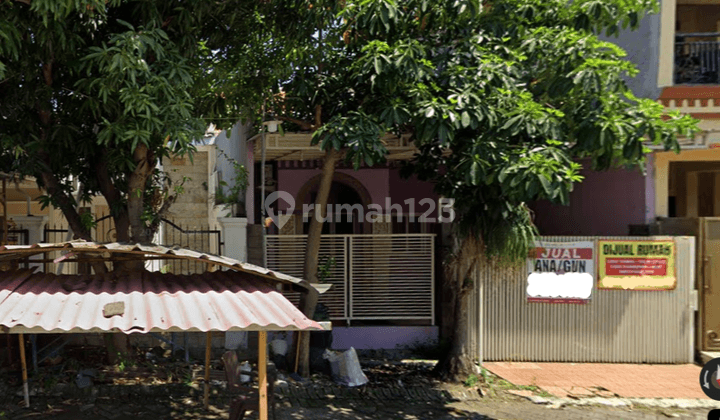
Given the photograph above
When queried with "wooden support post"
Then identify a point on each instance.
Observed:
(3, 241)
(33, 348)
(262, 375)
(9, 349)
(208, 343)
(297, 350)
(5, 213)
(23, 363)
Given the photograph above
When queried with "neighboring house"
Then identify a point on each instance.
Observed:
(678, 54)
(191, 222)
(21, 212)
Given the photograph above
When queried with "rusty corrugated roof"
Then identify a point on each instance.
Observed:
(12, 252)
(149, 302)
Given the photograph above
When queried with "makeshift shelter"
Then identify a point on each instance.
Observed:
(243, 297)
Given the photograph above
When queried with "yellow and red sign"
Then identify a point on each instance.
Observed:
(636, 265)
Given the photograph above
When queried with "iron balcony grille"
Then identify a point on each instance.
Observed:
(697, 58)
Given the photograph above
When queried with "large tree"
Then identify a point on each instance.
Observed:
(502, 100)
(100, 91)
(94, 93)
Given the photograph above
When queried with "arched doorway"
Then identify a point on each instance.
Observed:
(348, 196)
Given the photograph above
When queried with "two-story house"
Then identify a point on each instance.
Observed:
(678, 54)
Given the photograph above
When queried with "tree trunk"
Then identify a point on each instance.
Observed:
(69, 210)
(458, 363)
(308, 300)
(137, 182)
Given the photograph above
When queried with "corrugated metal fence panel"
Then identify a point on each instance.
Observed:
(616, 326)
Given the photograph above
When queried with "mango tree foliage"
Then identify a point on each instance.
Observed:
(502, 99)
(95, 93)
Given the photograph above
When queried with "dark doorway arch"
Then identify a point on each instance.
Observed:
(345, 191)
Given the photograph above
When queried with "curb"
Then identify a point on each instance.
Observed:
(626, 402)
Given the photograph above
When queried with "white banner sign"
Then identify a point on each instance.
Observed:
(561, 272)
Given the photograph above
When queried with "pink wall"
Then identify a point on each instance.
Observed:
(650, 189)
(403, 189)
(362, 338)
(374, 180)
(604, 203)
(380, 183)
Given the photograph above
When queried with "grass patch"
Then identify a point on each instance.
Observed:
(495, 383)
(471, 381)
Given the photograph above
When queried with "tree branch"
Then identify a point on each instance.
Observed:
(318, 116)
(303, 124)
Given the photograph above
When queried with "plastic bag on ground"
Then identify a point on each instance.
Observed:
(345, 367)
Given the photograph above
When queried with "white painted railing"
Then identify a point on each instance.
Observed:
(374, 277)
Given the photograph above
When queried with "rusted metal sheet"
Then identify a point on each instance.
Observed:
(12, 252)
(144, 302)
(616, 326)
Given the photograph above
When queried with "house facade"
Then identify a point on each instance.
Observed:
(678, 54)
(381, 238)
(192, 221)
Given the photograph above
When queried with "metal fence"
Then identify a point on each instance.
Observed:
(616, 326)
(374, 277)
(697, 58)
(17, 235)
(197, 238)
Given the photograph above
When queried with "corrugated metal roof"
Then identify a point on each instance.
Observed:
(152, 301)
(12, 252)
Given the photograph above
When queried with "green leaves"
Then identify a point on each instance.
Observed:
(358, 134)
(503, 103)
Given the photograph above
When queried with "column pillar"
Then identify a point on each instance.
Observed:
(35, 226)
(234, 231)
(234, 235)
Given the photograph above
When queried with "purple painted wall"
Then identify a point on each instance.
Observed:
(375, 181)
(604, 203)
(380, 183)
(650, 189)
(362, 338)
(373, 338)
(403, 189)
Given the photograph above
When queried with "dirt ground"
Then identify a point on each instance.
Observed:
(405, 391)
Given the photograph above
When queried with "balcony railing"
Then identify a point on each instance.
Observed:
(374, 277)
(697, 58)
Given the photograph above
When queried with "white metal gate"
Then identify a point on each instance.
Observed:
(375, 277)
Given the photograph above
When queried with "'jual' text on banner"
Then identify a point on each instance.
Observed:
(636, 265)
(561, 272)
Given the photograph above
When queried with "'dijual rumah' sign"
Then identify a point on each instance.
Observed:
(637, 265)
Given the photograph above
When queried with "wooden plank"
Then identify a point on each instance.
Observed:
(262, 374)
(23, 363)
(208, 349)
